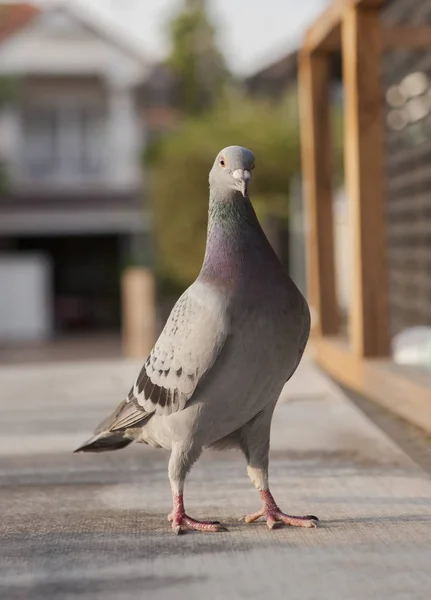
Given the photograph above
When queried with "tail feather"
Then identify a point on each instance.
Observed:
(105, 442)
(110, 434)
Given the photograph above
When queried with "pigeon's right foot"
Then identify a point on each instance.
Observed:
(181, 522)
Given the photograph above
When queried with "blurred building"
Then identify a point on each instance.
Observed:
(158, 101)
(278, 78)
(274, 80)
(72, 212)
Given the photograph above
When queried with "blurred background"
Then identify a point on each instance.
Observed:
(111, 113)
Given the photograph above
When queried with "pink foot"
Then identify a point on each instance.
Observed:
(274, 515)
(180, 521)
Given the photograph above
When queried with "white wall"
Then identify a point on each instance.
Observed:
(25, 298)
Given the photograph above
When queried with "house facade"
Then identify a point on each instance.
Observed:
(72, 202)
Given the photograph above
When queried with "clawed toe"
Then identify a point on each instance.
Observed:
(204, 527)
(307, 521)
(275, 518)
(187, 523)
(251, 518)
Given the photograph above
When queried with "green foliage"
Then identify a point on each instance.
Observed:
(4, 180)
(8, 93)
(196, 62)
(8, 89)
(180, 164)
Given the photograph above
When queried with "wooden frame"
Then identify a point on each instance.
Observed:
(354, 28)
(315, 75)
(364, 167)
(325, 34)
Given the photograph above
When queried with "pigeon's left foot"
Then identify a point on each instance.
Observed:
(180, 521)
(274, 515)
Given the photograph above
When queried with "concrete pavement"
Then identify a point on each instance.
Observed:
(94, 526)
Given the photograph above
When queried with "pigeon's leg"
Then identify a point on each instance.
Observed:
(180, 463)
(255, 445)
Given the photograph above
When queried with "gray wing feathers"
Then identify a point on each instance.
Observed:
(187, 348)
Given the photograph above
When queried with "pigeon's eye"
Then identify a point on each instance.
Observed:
(252, 168)
(222, 163)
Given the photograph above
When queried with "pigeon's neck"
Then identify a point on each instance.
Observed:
(237, 250)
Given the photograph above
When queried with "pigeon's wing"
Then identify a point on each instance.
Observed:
(187, 349)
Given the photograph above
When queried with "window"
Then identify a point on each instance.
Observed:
(39, 128)
(63, 142)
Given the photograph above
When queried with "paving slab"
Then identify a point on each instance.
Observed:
(94, 526)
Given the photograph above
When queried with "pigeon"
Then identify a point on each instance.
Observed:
(231, 342)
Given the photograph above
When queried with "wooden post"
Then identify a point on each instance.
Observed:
(139, 313)
(314, 80)
(364, 164)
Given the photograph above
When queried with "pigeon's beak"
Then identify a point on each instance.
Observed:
(242, 178)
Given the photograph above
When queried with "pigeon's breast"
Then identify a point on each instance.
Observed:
(265, 346)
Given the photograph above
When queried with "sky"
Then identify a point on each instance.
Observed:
(251, 33)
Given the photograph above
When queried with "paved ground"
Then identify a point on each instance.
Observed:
(94, 526)
(62, 349)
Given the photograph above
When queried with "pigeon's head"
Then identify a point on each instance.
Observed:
(232, 170)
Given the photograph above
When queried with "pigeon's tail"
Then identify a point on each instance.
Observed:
(111, 434)
(105, 442)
